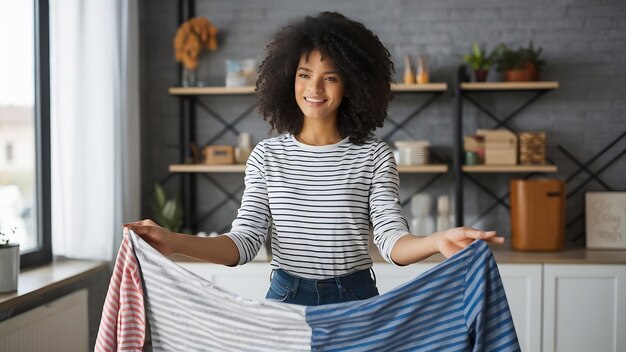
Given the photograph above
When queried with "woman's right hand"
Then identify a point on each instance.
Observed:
(162, 239)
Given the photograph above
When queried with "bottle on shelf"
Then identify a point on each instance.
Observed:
(443, 213)
(422, 224)
(422, 76)
(409, 76)
(244, 148)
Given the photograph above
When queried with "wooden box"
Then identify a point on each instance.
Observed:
(219, 154)
(500, 146)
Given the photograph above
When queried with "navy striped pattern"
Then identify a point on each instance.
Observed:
(320, 201)
(187, 313)
(459, 305)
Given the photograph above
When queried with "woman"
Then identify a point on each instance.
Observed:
(325, 84)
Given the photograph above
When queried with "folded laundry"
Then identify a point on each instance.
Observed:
(459, 305)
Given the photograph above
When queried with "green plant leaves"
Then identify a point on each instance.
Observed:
(167, 212)
(510, 59)
(476, 51)
(503, 57)
(478, 59)
(159, 195)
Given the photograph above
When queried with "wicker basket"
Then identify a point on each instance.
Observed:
(532, 148)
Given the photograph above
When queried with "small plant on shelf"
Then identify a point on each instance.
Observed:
(479, 61)
(4, 239)
(521, 65)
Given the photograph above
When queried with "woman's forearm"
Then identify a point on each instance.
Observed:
(218, 250)
(411, 249)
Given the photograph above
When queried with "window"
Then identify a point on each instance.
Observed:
(24, 128)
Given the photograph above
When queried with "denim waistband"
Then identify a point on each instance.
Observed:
(361, 276)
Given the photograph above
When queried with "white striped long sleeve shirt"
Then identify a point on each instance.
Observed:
(320, 201)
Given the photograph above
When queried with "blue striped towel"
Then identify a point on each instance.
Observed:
(459, 305)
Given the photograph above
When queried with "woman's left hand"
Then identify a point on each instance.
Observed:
(453, 240)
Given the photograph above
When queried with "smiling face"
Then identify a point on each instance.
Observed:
(318, 86)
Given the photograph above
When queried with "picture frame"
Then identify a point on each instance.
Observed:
(605, 220)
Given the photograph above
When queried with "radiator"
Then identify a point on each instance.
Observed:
(60, 325)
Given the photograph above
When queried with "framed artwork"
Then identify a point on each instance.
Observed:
(605, 214)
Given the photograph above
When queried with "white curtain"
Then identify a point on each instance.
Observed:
(94, 124)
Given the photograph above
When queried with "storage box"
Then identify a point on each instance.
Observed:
(537, 214)
(532, 148)
(240, 73)
(219, 154)
(471, 144)
(500, 146)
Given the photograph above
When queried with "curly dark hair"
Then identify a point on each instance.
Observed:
(362, 61)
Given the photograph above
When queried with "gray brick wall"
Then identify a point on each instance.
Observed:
(584, 44)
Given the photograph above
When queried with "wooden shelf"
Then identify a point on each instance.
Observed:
(239, 168)
(423, 169)
(429, 87)
(510, 168)
(212, 90)
(491, 86)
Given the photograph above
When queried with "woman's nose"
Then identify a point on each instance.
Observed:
(316, 86)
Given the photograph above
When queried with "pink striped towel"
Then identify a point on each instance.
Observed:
(123, 323)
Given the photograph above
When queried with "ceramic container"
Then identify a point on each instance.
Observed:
(9, 267)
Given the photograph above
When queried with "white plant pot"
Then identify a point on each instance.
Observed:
(9, 267)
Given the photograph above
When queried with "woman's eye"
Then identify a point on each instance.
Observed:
(331, 79)
(303, 75)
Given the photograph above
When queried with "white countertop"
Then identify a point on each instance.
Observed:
(505, 255)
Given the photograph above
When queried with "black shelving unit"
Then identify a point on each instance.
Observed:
(189, 172)
(189, 98)
(464, 90)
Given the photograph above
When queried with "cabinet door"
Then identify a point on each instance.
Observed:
(522, 284)
(248, 281)
(389, 276)
(252, 280)
(584, 308)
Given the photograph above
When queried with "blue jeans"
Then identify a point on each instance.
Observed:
(288, 288)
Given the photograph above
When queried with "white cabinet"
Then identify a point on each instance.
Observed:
(584, 308)
(249, 281)
(523, 286)
(389, 276)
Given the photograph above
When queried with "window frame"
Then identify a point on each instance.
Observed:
(43, 254)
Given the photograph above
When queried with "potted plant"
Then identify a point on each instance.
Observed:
(521, 65)
(480, 62)
(167, 212)
(9, 263)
